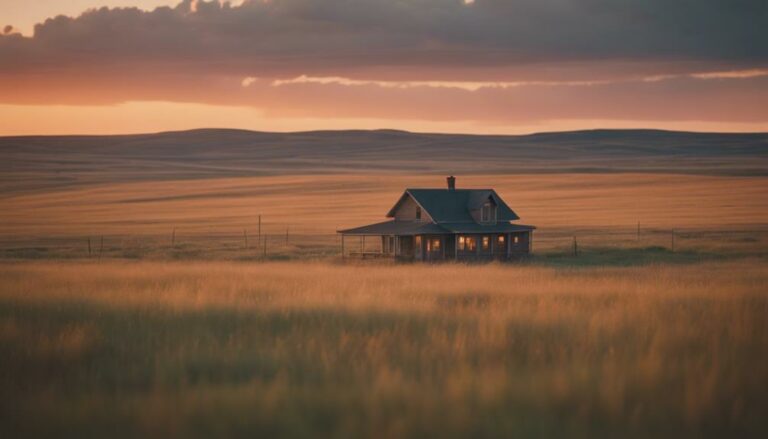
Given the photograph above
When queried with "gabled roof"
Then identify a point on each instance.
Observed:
(454, 205)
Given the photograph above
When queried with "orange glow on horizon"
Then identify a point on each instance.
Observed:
(147, 117)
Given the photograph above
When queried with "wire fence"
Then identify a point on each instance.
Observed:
(286, 242)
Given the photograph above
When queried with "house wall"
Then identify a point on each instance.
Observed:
(407, 211)
(496, 251)
(522, 246)
(432, 253)
(417, 248)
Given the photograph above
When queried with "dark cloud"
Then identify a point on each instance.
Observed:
(346, 37)
(579, 59)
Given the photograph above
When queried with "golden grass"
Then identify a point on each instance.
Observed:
(293, 349)
(410, 288)
(322, 204)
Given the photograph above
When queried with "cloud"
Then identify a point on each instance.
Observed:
(478, 85)
(462, 85)
(494, 61)
(247, 81)
(347, 37)
(679, 98)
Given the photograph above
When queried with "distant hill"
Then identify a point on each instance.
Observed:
(37, 162)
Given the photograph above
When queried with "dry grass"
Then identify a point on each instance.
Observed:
(292, 349)
(323, 204)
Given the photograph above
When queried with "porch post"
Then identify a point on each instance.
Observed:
(455, 247)
(442, 245)
(530, 242)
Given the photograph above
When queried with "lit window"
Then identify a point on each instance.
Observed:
(501, 239)
(436, 244)
(486, 243)
(462, 242)
(517, 239)
(470, 243)
(418, 241)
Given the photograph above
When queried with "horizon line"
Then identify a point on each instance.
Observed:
(393, 130)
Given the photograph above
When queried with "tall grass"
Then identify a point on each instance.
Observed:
(325, 203)
(315, 349)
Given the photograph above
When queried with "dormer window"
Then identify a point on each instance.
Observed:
(488, 212)
(418, 213)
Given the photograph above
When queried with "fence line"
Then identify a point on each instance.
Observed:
(207, 242)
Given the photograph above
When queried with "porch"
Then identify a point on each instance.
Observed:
(438, 247)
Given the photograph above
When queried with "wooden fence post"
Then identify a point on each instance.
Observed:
(575, 247)
(245, 237)
(89, 246)
(673, 240)
(101, 246)
(173, 237)
(264, 249)
(638, 230)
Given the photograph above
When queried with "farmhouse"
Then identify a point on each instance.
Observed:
(447, 224)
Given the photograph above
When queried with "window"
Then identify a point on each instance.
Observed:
(417, 240)
(486, 243)
(436, 244)
(501, 240)
(485, 213)
(467, 243)
(517, 239)
(488, 212)
(418, 213)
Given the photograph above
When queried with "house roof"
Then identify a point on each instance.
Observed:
(474, 227)
(395, 227)
(454, 205)
(406, 228)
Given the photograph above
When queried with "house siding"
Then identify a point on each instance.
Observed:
(406, 211)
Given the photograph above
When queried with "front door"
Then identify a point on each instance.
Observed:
(435, 248)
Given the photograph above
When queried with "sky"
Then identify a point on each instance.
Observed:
(472, 66)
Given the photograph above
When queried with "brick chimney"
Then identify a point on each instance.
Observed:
(451, 183)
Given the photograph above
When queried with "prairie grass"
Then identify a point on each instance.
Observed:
(158, 349)
(324, 203)
(217, 218)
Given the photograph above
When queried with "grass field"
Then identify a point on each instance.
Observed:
(316, 349)
(323, 204)
(131, 306)
(208, 217)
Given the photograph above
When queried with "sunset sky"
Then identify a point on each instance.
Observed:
(482, 66)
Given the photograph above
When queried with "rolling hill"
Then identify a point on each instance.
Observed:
(42, 163)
